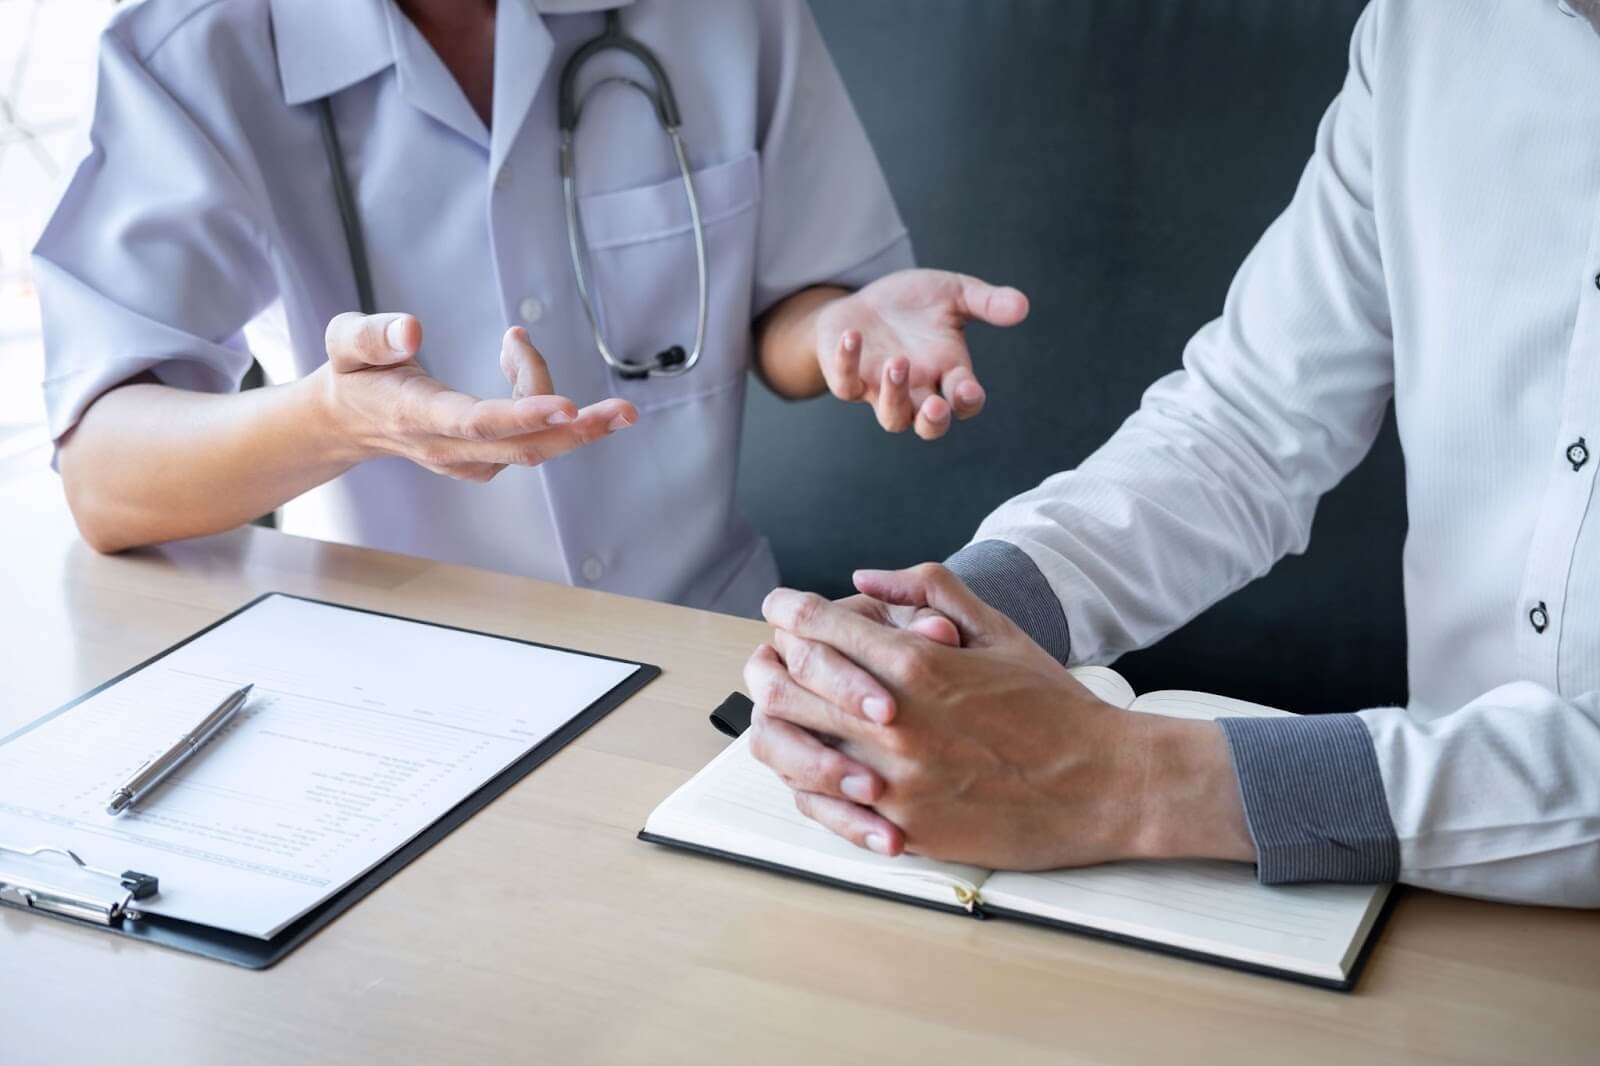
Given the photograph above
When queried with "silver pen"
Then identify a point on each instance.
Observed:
(161, 767)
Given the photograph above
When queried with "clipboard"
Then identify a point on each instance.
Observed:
(114, 908)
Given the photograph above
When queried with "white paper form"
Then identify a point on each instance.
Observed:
(361, 732)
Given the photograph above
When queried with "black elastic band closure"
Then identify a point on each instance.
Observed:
(732, 715)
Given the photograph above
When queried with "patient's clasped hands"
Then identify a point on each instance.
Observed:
(917, 718)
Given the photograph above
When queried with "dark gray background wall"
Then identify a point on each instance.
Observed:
(1115, 160)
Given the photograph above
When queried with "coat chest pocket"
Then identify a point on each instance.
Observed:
(641, 257)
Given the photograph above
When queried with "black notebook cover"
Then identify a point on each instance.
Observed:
(732, 717)
(258, 954)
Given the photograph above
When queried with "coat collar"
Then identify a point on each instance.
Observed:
(324, 46)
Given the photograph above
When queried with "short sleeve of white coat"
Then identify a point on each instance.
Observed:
(827, 216)
(153, 260)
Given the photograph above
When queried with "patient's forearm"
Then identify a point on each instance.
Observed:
(150, 463)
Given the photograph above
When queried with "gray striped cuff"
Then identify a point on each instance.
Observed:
(1313, 798)
(1006, 579)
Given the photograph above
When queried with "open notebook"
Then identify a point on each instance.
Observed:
(737, 809)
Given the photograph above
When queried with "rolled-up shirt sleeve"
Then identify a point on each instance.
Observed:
(827, 216)
(153, 259)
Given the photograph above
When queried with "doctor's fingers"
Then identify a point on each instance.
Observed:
(593, 423)
(998, 305)
(431, 409)
(356, 341)
(961, 390)
(842, 369)
(933, 418)
(525, 369)
(893, 405)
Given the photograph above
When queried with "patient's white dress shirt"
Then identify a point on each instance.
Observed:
(1442, 249)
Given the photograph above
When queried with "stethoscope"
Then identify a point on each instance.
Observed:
(667, 363)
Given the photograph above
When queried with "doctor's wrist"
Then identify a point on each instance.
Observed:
(789, 353)
(334, 427)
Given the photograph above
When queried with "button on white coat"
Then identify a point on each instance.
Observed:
(592, 569)
(531, 309)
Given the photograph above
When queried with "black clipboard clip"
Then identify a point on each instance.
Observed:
(111, 908)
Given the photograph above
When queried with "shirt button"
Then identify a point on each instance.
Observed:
(531, 309)
(1578, 454)
(1539, 617)
(592, 569)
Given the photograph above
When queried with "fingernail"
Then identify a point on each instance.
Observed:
(971, 392)
(878, 843)
(558, 418)
(897, 374)
(395, 334)
(619, 422)
(852, 341)
(876, 708)
(857, 787)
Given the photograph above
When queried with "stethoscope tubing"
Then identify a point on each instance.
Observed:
(671, 362)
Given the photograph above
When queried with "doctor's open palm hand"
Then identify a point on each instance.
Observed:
(900, 344)
(384, 403)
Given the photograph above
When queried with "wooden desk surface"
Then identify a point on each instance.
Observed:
(542, 931)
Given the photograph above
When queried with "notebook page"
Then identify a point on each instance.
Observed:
(1105, 683)
(738, 805)
(361, 732)
(1214, 907)
(1175, 703)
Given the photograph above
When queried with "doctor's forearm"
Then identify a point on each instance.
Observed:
(149, 463)
(786, 343)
